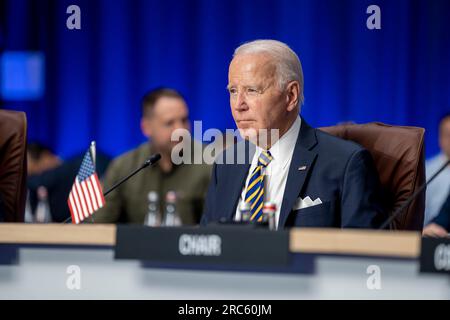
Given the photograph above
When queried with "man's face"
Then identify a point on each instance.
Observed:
(444, 136)
(255, 99)
(46, 161)
(167, 115)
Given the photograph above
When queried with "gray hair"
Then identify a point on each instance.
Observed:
(287, 63)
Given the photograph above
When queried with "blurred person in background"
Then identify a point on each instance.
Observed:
(439, 188)
(440, 225)
(164, 110)
(40, 158)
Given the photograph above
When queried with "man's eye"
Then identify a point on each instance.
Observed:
(252, 90)
(232, 91)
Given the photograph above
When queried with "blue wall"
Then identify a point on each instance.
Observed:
(96, 76)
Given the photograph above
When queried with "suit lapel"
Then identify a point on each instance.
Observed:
(301, 158)
(237, 179)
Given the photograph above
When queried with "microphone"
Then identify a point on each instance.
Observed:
(150, 161)
(410, 199)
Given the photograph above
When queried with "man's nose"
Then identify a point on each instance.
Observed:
(241, 102)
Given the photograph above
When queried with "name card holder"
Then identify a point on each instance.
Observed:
(435, 256)
(213, 245)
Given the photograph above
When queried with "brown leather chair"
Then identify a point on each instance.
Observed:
(13, 164)
(398, 153)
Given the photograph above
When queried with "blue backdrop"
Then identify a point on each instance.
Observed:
(95, 77)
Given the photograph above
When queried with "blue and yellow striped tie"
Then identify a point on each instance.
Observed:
(255, 189)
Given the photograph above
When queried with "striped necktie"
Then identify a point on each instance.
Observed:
(255, 189)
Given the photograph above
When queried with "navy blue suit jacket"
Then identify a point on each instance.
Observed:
(341, 173)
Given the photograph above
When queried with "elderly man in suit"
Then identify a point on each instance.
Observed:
(315, 179)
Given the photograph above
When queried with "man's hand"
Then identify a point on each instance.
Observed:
(434, 230)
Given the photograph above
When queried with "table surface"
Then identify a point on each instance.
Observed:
(345, 264)
(403, 244)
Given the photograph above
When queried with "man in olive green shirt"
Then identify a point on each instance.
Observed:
(164, 110)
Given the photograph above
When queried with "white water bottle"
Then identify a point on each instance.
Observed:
(246, 211)
(152, 217)
(269, 210)
(29, 217)
(43, 214)
(171, 217)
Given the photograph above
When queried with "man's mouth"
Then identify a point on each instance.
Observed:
(245, 121)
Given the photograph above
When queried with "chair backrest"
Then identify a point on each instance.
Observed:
(13, 164)
(399, 157)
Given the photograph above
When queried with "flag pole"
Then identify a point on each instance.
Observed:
(93, 155)
(94, 161)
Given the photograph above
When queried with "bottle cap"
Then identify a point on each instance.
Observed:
(152, 196)
(42, 193)
(171, 197)
(245, 206)
(269, 206)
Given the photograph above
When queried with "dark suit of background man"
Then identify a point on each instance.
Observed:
(315, 179)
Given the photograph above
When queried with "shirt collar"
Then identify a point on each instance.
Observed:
(283, 149)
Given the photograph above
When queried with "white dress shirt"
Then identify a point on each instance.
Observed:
(438, 189)
(276, 171)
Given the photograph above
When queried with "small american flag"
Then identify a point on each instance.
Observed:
(86, 195)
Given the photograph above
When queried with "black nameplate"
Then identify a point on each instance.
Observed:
(221, 245)
(9, 254)
(435, 255)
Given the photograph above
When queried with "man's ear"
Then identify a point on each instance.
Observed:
(292, 95)
(146, 127)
